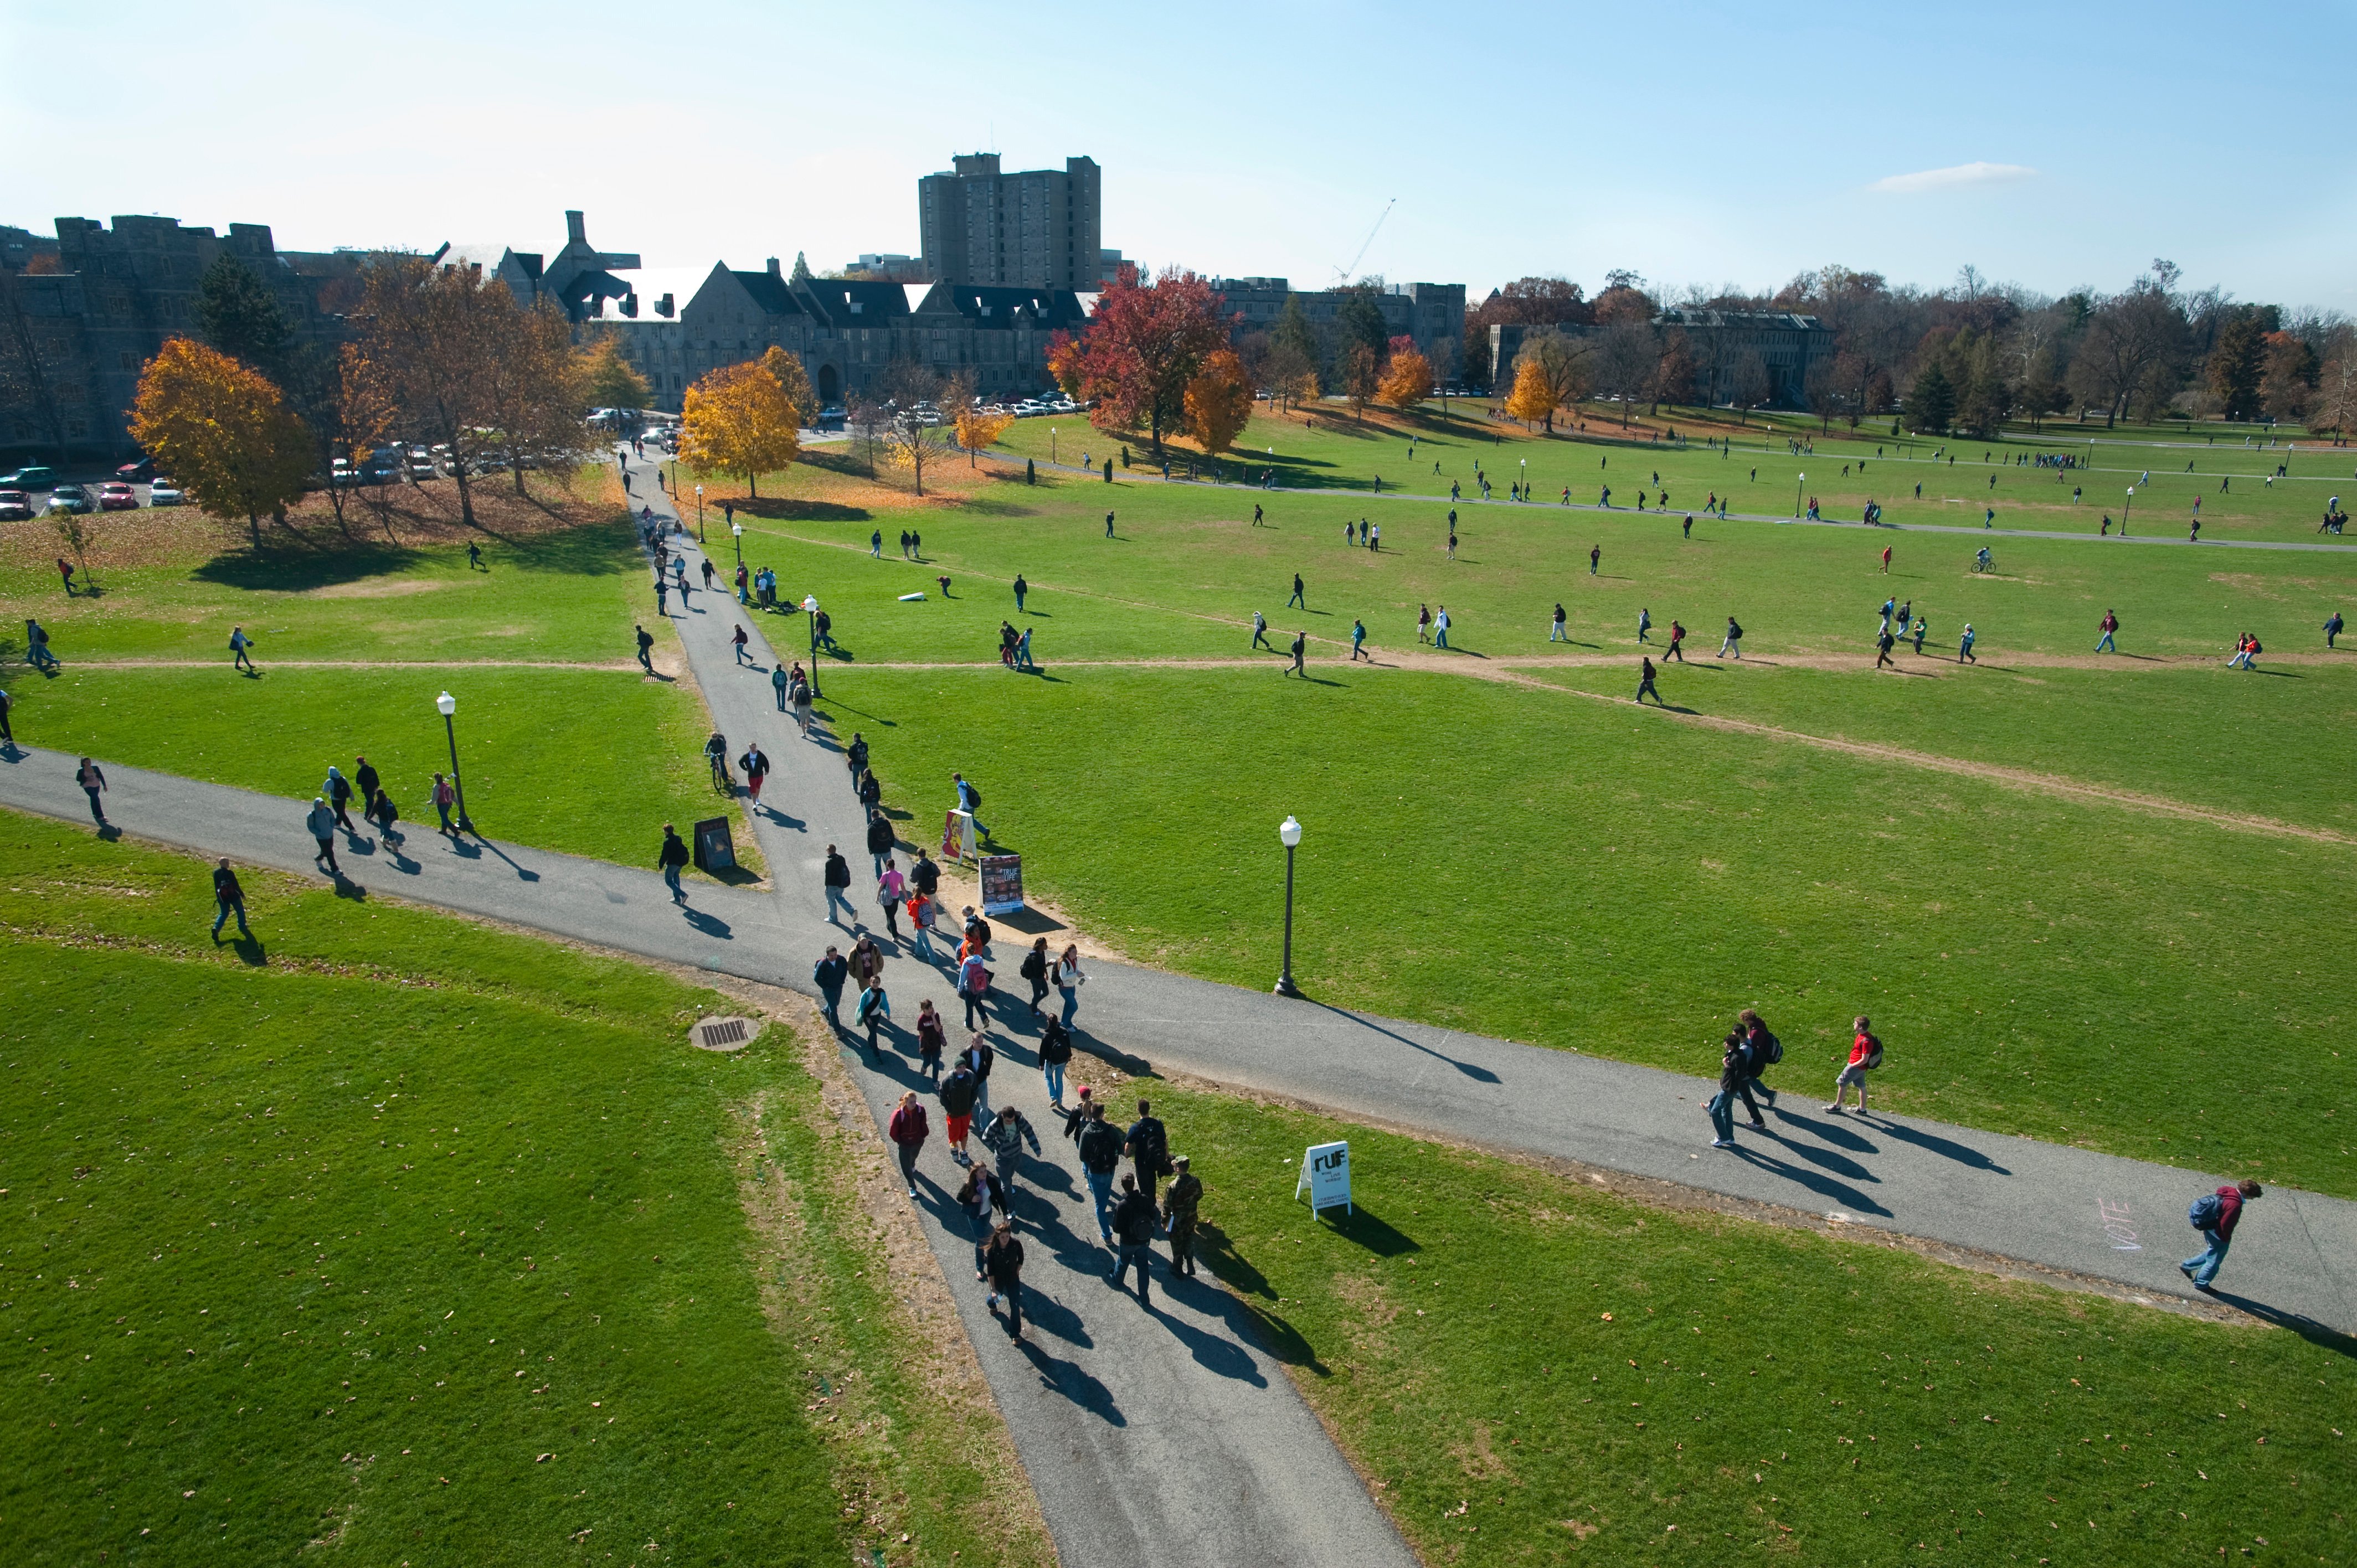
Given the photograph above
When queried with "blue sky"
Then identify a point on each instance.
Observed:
(1709, 143)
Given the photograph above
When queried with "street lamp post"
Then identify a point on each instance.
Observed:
(448, 704)
(810, 612)
(1051, 444)
(1799, 484)
(737, 532)
(699, 514)
(2126, 509)
(1289, 833)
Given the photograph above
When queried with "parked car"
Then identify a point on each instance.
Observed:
(116, 495)
(164, 492)
(421, 470)
(35, 477)
(14, 506)
(71, 498)
(137, 473)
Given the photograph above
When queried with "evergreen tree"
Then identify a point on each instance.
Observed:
(239, 315)
(801, 269)
(1931, 402)
(2236, 365)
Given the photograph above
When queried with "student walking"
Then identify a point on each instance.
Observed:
(1965, 646)
(339, 791)
(1035, 970)
(1555, 632)
(890, 888)
(1733, 1068)
(238, 645)
(384, 813)
(7, 730)
(444, 797)
(1100, 1149)
(880, 841)
(1055, 1052)
(779, 683)
(828, 974)
(646, 643)
(1645, 683)
(1865, 1055)
(909, 1129)
(974, 988)
(1595, 558)
(838, 883)
(873, 1008)
(1179, 1215)
(2331, 628)
(2216, 1215)
(1133, 1222)
(978, 1058)
(1021, 588)
(1300, 652)
(981, 1197)
(230, 900)
(932, 1038)
(1357, 639)
(321, 821)
(1886, 559)
(2110, 624)
(1440, 628)
(1644, 624)
(1108, 525)
(1068, 981)
(92, 780)
(1296, 599)
(756, 763)
(957, 1094)
(1677, 639)
(670, 858)
(923, 910)
(1148, 1144)
(1733, 643)
(1424, 623)
(1002, 1261)
(1882, 645)
(1260, 632)
(1004, 1136)
(739, 641)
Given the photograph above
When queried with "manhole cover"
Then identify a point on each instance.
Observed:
(723, 1033)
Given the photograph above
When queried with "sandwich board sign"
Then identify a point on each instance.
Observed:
(1326, 1177)
(1002, 884)
(957, 836)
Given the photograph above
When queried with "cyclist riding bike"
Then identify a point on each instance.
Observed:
(715, 751)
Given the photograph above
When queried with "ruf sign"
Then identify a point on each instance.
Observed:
(1326, 1177)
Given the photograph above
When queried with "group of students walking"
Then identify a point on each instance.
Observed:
(1751, 1048)
(331, 808)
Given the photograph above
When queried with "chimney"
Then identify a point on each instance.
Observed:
(574, 232)
(773, 266)
(630, 306)
(663, 308)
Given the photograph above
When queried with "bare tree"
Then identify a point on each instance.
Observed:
(1625, 357)
(1752, 385)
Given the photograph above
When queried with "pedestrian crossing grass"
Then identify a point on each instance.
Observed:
(1585, 875)
(1530, 1368)
(399, 1236)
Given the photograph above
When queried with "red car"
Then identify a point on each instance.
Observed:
(137, 473)
(115, 495)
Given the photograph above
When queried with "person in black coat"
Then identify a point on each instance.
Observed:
(1002, 1260)
(1132, 1226)
(1035, 970)
(838, 887)
(828, 974)
(673, 856)
(881, 839)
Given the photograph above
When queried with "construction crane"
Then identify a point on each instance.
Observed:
(1343, 274)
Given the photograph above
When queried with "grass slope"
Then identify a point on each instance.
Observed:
(420, 1241)
(1531, 1370)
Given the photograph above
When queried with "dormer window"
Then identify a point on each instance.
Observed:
(855, 307)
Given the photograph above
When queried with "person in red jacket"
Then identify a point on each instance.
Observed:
(1863, 1050)
(909, 1130)
(2203, 1268)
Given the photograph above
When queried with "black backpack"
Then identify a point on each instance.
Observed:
(1100, 1147)
(972, 799)
(1153, 1146)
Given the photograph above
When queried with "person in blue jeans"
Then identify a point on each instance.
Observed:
(673, 856)
(1734, 1067)
(232, 900)
(2225, 1206)
(1100, 1157)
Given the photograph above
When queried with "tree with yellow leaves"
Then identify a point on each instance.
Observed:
(978, 423)
(609, 380)
(1407, 375)
(1550, 373)
(796, 382)
(223, 431)
(1219, 401)
(739, 420)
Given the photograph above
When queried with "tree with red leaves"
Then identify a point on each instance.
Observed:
(1143, 346)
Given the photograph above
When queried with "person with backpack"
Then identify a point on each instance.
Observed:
(1132, 1224)
(1055, 1051)
(1099, 1147)
(828, 974)
(871, 1011)
(321, 821)
(2108, 625)
(1178, 1215)
(1865, 1055)
(1761, 1050)
(239, 644)
(979, 1195)
(231, 899)
(1148, 1144)
(909, 1130)
(384, 813)
(973, 986)
(1733, 643)
(444, 797)
(339, 791)
(1005, 1136)
(890, 888)
(1076, 1115)
(1002, 1261)
(1734, 1067)
(2216, 1215)
(1645, 682)
(956, 1095)
(932, 1038)
(2331, 628)
(1035, 970)
(838, 882)
(970, 802)
(978, 1058)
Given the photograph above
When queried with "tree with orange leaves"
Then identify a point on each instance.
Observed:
(1140, 350)
(1219, 401)
(978, 423)
(1407, 375)
(223, 431)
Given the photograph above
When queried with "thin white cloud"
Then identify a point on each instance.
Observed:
(1949, 178)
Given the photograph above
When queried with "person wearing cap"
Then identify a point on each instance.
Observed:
(1178, 1205)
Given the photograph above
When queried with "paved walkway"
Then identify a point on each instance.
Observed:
(1170, 1437)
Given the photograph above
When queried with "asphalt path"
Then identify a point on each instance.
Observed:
(1170, 1434)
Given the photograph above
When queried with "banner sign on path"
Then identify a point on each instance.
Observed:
(715, 850)
(1326, 1177)
(1002, 884)
(957, 836)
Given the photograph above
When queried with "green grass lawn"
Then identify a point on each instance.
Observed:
(564, 743)
(1336, 451)
(416, 1239)
(1585, 876)
(1531, 1370)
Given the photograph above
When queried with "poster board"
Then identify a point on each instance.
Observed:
(1002, 884)
(1326, 1177)
(957, 836)
(715, 850)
